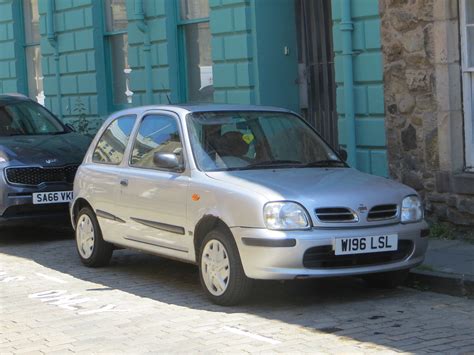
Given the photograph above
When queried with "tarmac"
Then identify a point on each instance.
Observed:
(448, 268)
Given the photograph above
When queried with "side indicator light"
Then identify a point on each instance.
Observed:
(195, 197)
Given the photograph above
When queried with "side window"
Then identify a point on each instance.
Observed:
(114, 140)
(156, 134)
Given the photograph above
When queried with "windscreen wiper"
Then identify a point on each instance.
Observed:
(326, 163)
(268, 164)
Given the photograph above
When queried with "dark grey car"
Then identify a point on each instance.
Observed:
(39, 157)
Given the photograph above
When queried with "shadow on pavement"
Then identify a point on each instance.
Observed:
(343, 306)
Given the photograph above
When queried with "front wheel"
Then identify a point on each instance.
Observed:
(91, 247)
(388, 280)
(220, 269)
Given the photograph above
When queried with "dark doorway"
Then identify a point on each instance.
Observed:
(316, 67)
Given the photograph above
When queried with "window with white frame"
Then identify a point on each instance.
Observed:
(117, 46)
(32, 50)
(467, 46)
(196, 36)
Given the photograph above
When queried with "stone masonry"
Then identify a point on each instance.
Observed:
(423, 102)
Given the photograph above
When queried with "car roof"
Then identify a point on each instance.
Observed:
(192, 108)
(6, 99)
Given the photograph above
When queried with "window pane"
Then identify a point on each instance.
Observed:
(35, 76)
(116, 15)
(31, 20)
(469, 12)
(470, 46)
(118, 55)
(112, 144)
(199, 62)
(192, 9)
(156, 134)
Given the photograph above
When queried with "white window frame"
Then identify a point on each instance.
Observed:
(468, 90)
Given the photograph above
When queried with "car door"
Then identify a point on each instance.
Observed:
(153, 199)
(104, 174)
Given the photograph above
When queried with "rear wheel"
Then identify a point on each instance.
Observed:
(390, 279)
(220, 269)
(91, 247)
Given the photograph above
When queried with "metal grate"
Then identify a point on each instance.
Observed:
(34, 176)
(336, 214)
(316, 55)
(382, 212)
(324, 257)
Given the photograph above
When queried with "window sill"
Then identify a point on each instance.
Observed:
(459, 183)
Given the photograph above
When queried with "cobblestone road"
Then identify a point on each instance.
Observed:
(50, 303)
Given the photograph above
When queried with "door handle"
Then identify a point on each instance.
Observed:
(124, 182)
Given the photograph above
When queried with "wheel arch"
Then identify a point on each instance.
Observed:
(79, 204)
(203, 227)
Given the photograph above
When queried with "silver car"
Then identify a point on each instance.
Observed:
(244, 192)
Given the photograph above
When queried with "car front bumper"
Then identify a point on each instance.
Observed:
(279, 255)
(17, 208)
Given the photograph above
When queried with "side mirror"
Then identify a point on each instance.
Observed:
(343, 154)
(167, 161)
(70, 127)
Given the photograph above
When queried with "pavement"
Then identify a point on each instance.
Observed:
(448, 268)
(50, 303)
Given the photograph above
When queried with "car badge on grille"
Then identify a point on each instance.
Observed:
(51, 161)
(362, 209)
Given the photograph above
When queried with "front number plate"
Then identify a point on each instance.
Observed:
(40, 198)
(371, 244)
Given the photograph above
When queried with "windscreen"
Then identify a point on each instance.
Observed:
(256, 140)
(27, 118)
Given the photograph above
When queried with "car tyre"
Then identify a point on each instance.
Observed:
(91, 247)
(387, 280)
(220, 269)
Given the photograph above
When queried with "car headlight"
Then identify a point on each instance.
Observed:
(285, 216)
(412, 209)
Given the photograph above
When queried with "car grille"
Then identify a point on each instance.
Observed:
(323, 257)
(34, 176)
(336, 214)
(381, 212)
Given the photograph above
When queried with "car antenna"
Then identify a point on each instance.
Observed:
(167, 94)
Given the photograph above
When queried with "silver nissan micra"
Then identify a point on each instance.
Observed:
(246, 193)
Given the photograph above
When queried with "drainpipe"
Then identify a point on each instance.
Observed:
(143, 27)
(52, 39)
(347, 28)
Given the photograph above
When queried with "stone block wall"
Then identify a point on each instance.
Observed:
(368, 85)
(80, 56)
(232, 52)
(12, 61)
(423, 102)
(161, 22)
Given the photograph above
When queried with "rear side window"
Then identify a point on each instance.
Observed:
(157, 134)
(111, 146)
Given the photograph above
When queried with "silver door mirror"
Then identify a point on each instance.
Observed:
(167, 161)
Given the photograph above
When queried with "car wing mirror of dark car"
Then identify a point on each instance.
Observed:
(168, 161)
(70, 127)
(343, 154)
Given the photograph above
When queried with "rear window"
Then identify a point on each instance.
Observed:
(111, 146)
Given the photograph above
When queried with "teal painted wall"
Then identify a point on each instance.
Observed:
(79, 42)
(161, 19)
(276, 52)
(368, 85)
(232, 51)
(248, 50)
(12, 60)
(250, 64)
